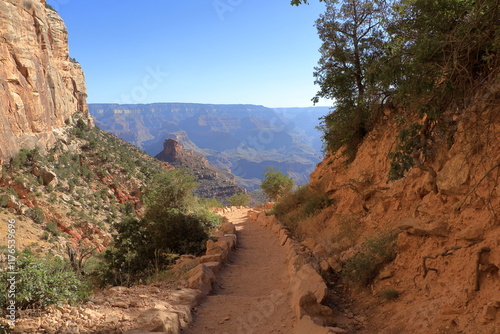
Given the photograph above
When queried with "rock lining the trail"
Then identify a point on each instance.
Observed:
(307, 288)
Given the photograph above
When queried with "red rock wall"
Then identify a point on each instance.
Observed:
(40, 86)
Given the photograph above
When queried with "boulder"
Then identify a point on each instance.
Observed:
(283, 236)
(117, 290)
(230, 239)
(307, 326)
(310, 243)
(261, 218)
(455, 173)
(210, 258)
(434, 229)
(471, 234)
(48, 176)
(308, 291)
(201, 278)
(189, 297)
(490, 311)
(184, 313)
(158, 320)
(215, 249)
(214, 266)
(228, 228)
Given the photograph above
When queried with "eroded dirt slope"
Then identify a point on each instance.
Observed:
(447, 226)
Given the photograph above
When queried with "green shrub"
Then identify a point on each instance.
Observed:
(239, 199)
(344, 129)
(174, 223)
(297, 206)
(52, 8)
(210, 203)
(363, 267)
(37, 215)
(390, 294)
(276, 184)
(4, 200)
(43, 282)
(52, 228)
(5, 329)
(21, 159)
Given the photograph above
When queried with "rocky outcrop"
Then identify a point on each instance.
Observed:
(214, 182)
(40, 85)
(171, 150)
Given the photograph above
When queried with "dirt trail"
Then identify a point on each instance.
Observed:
(251, 291)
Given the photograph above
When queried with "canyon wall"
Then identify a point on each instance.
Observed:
(40, 85)
(243, 138)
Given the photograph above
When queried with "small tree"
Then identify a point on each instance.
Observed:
(174, 223)
(170, 190)
(276, 184)
(239, 199)
(353, 40)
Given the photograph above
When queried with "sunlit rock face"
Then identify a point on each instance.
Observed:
(40, 85)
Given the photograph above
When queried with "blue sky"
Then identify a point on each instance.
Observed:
(201, 51)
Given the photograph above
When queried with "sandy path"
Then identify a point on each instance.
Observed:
(251, 291)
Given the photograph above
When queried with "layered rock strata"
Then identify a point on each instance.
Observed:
(40, 85)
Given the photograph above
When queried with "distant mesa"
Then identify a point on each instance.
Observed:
(245, 139)
(214, 182)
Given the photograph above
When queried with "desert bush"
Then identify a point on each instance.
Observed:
(297, 206)
(5, 329)
(210, 203)
(37, 215)
(24, 158)
(390, 294)
(52, 228)
(174, 223)
(363, 267)
(239, 199)
(276, 184)
(45, 281)
(4, 200)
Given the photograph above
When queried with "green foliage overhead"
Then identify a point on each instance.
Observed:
(300, 2)
(276, 184)
(426, 57)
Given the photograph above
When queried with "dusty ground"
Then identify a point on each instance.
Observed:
(251, 291)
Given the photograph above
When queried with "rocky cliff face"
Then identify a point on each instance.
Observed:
(40, 85)
(214, 182)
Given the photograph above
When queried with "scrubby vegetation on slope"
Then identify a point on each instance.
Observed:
(94, 211)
